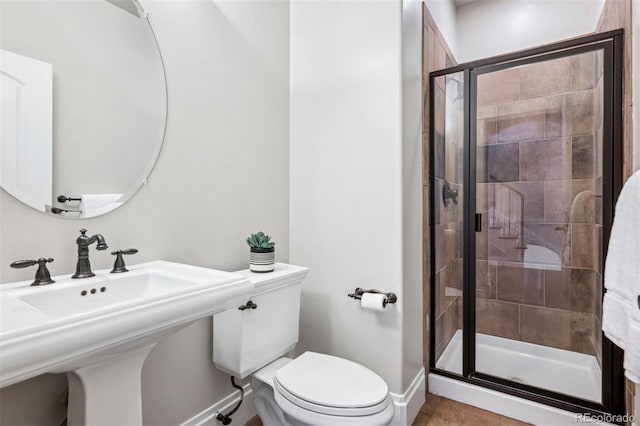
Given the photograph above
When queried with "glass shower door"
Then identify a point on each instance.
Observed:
(447, 216)
(539, 159)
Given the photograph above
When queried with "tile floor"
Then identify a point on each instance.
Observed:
(438, 411)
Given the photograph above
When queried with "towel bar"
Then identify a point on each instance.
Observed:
(64, 199)
(56, 210)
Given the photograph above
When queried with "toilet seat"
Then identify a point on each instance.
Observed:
(331, 385)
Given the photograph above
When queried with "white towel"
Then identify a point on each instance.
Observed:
(632, 353)
(622, 276)
(616, 314)
(89, 202)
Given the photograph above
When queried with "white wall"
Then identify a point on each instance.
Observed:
(412, 180)
(355, 161)
(345, 182)
(492, 27)
(227, 68)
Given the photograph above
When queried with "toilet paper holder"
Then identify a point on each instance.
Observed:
(390, 297)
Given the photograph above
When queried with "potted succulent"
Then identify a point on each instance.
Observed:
(263, 254)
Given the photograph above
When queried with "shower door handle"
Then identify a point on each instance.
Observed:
(478, 222)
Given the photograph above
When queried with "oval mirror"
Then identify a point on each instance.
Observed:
(84, 103)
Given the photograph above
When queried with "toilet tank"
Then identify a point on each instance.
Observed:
(246, 340)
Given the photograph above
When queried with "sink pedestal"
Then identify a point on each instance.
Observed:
(109, 392)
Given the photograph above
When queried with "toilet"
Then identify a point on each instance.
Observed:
(313, 389)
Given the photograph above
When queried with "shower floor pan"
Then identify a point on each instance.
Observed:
(548, 368)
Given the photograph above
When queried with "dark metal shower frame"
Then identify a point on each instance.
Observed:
(611, 43)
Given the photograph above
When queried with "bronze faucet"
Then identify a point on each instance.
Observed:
(83, 267)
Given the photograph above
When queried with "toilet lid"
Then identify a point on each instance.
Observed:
(321, 380)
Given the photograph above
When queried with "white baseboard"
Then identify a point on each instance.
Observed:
(408, 404)
(246, 411)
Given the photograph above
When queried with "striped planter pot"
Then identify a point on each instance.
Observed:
(262, 260)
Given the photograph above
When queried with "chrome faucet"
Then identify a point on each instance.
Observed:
(83, 267)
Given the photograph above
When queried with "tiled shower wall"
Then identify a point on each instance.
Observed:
(537, 151)
(437, 56)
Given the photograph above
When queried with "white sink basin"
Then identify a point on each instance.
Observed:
(107, 323)
(70, 297)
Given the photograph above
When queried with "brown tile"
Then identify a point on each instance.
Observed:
(548, 327)
(584, 240)
(597, 335)
(522, 120)
(446, 326)
(456, 413)
(448, 282)
(429, 49)
(254, 421)
(541, 160)
(422, 419)
(545, 78)
(598, 296)
(487, 125)
(554, 117)
(431, 403)
(582, 332)
(584, 203)
(583, 71)
(445, 244)
(498, 163)
(439, 421)
(442, 411)
(532, 199)
(557, 289)
(506, 421)
(572, 289)
(612, 16)
(486, 279)
(497, 318)
(498, 87)
(482, 241)
(557, 201)
(439, 56)
(522, 285)
(426, 168)
(579, 113)
(631, 387)
(583, 290)
(583, 157)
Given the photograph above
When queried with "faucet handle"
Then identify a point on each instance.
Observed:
(119, 265)
(42, 274)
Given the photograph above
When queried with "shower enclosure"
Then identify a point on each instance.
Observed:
(525, 161)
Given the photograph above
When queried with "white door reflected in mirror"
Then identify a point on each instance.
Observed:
(26, 134)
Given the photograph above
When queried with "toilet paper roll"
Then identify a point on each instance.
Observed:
(372, 301)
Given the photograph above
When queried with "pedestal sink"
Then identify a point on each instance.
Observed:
(100, 330)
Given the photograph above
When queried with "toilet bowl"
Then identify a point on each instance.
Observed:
(319, 389)
(313, 389)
